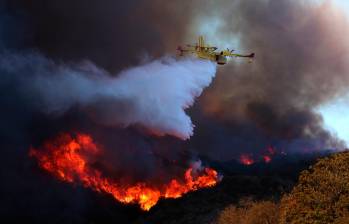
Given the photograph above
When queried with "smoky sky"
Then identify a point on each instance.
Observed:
(301, 62)
(113, 34)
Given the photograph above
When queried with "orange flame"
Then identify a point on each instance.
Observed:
(267, 156)
(246, 159)
(68, 159)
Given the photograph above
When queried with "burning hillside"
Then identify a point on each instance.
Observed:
(70, 159)
(265, 156)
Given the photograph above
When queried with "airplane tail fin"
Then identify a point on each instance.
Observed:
(201, 42)
(251, 56)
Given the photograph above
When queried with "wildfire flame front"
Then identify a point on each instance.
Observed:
(67, 158)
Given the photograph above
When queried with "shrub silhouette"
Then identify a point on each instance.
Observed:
(321, 194)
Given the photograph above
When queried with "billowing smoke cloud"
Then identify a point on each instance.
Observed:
(302, 56)
(153, 95)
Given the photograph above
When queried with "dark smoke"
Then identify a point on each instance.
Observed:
(302, 53)
(301, 63)
(112, 34)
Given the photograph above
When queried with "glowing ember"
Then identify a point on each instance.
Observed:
(69, 160)
(246, 159)
(267, 159)
(266, 156)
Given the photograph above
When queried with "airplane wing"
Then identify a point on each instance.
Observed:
(244, 56)
(230, 54)
(181, 50)
(203, 47)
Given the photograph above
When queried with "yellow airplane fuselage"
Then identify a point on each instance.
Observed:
(215, 57)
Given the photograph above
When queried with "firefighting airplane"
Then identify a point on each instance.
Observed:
(208, 52)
